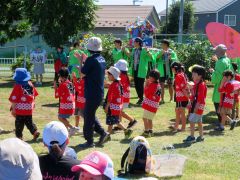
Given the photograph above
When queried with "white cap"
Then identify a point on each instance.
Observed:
(94, 44)
(18, 161)
(122, 65)
(220, 50)
(55, 131)
(115, 72)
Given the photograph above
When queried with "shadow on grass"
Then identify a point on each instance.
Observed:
(181, 145)
(6, 132)
(165, 133)
(51, 105)
(39, 140)
(215, 133)
(131, 105)
(126, 141)
(9, 83)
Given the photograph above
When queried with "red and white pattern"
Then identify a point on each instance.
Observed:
(152, 97)
(126, 87)
(227, 95)
(23, 100)
(180, 84)
(80, 99)
(66, 94)
(114, 97)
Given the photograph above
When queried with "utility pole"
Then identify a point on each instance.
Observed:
(180, 32)
(166, 18)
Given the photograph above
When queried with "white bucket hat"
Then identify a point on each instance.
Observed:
(55, 131)
(115, 72)
(18, 161)
(94, 44)
(122, 65)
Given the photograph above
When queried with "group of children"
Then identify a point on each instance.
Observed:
(188, 95)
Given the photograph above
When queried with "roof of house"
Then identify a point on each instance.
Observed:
(207, 6)
(123, 15)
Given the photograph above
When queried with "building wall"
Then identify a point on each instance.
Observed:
(231, 10)
(116, 31)
(202, 21)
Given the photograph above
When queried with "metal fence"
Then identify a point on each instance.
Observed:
(6, 63)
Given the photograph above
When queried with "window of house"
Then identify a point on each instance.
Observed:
(35, 39)
(230, 20)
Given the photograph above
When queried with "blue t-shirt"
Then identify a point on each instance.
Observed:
(94, 69)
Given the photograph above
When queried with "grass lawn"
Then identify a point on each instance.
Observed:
(216, 158)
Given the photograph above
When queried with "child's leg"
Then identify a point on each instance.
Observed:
(145, 121)
(19, 126)
(121, 126)
(77, 119)
(41, 78)
(177, 110)
(30, 125)
(65, 122)
(37, 78)
(150, 124)
(183, 118)
(200, 129)
(170, 89)
(110, 129)
(126, 116)
(192, 128)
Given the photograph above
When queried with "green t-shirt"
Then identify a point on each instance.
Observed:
(74, 62)
(62, 56)
(118, 54)
(221, 65)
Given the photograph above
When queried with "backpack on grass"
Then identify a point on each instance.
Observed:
(137, 158)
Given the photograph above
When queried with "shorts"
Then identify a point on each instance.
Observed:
(111, 120)
(125, 105)
(79, 112)
(164, 79)
(148, 115)
(225, 111)
(181, 104)
(195, 118)
(64, 116)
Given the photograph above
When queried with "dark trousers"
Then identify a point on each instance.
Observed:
(91, 122)
(24, 120)
(216, 105)
(139, 85)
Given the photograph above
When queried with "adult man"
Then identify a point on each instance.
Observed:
(139, 65)
(164, 59)
(222, 63)
(94, 71)
(119, 52)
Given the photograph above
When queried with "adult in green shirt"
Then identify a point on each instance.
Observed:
(119, 52)
(74, 64)
(222, 63)
(140, 58)
(164, 59)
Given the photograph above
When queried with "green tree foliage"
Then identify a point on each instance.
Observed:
(173, 18)
(12, 23)
(57, 20)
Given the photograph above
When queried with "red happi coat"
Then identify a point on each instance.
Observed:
(236, 95)
(79, 88)
(180, 84)
(227, 95)
(114, 97)
(200, 99)
(23, 96)
(65, 92)
(152, 93)
(126, 87)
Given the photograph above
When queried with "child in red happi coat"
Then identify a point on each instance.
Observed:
(181, 95)
(152, 97)
(66, 94)
(22, 103)
(79, 99)
(235, 114)
(114, 102)
(125, 82)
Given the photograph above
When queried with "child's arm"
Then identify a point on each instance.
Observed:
(106, 107)
(13, 110)
(221, 87)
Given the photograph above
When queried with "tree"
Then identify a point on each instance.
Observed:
(12, 23)
(173, 18)
(57, 20)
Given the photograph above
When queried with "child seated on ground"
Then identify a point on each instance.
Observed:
(152, 93)
(114, 102)
(22, 103)
(226, 100)
(66, 94)
(125, 82)
(198, 101)
(181, 95)
(235, 114)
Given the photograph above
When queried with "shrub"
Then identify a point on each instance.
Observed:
(20, 63)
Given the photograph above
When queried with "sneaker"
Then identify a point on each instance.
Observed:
(233, 124)
(139, 102)
(72, 131)
(78, 130)
(36, 135)
(128, 133)
(219, 128)
(150, 132)
(116, 128)
(131, 124)
(104, 138)
(200, 139)
(189, 139)
(146, 134)
(87, 145)
(161, 102)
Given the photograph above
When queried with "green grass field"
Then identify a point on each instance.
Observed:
(216, 158)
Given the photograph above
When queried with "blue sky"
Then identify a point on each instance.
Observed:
(159, 4)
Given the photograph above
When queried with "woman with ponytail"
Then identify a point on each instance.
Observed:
(57, 164)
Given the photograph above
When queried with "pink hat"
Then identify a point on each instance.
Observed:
(96, 163)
